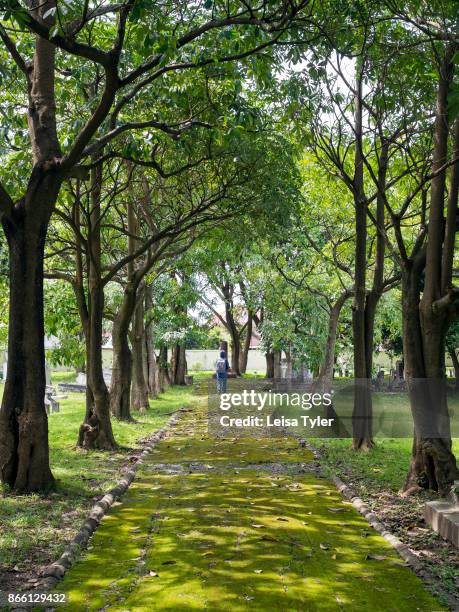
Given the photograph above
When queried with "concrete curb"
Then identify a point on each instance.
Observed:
(402, 549)
(54, 572)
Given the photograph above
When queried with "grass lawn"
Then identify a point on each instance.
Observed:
(34, 528)
(63, 376)
(385, 467)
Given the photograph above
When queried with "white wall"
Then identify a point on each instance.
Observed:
(205, 360)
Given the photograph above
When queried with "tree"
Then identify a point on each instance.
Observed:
(101, 40)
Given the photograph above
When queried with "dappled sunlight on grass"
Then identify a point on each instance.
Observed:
(34, 528)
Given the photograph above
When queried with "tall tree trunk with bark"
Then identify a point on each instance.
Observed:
(152, 378)
(277, 355)
(325, 379)
(96, 430)
(269, 355)
(120, 388)
(433, 464)
(24, 455)
(178, 365)
(231, 326)
(362, 414)
(235, 353)
(139, 391)
(377, 288)
(164, 375)
(244, 355)
(24, 452)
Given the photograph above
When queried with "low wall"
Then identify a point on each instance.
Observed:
(205, 360)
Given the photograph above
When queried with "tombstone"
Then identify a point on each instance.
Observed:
(283, 368)
(379, 382)
(443, 515)
(399, 368)
(47, 374)
(81, 378)
(51, 404)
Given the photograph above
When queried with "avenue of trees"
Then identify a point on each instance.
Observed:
(289, 169)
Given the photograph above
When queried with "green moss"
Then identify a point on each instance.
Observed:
(34, 528)
(230, 536)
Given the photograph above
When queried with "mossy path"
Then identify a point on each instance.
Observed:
(237, 525)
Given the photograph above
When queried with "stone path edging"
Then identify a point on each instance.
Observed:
(54, 572)
(402, 549)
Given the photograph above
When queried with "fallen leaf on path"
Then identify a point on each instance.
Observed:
(257, 526)
(371, 557)
(324, 546)
(258, 571)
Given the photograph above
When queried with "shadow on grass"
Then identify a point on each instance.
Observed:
(35, 528)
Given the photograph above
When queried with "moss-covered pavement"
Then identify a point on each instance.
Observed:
(237, 524)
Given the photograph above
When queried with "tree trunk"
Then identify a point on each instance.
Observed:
(139, 391)
(277, 365)
(24, 453)
(244, 355)
(96, 430)
(120, 388)
(164, 375)
(289, 363)
(178, 365)
(325, 379)
(231, 326)
(235, 353)
(362, 414)
(433, 466)
(269, 364)
(152, 378)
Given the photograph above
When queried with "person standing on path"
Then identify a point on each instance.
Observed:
(221, 369)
